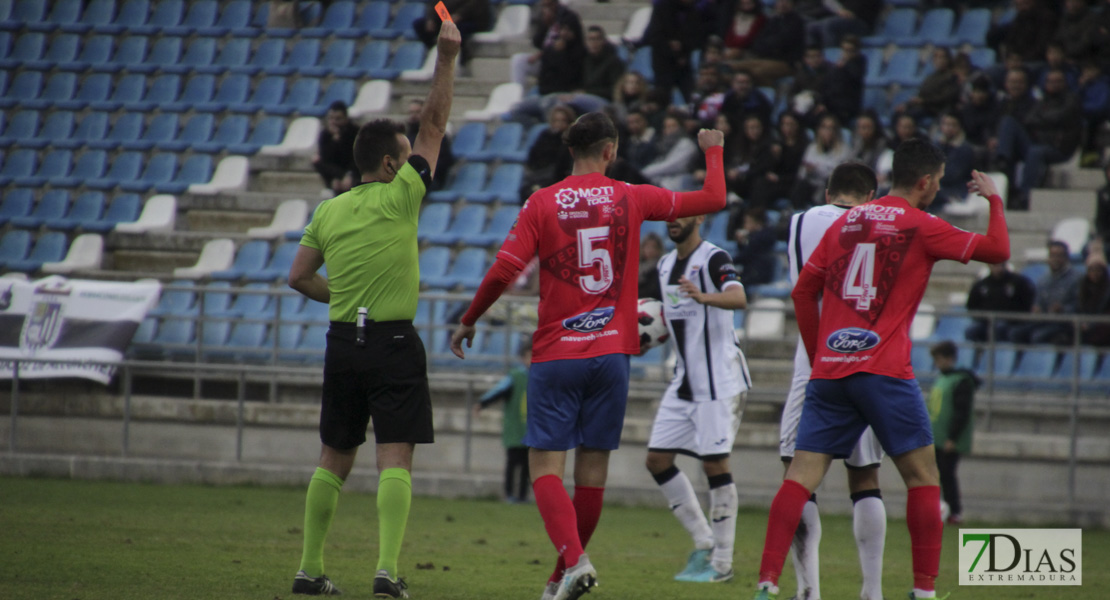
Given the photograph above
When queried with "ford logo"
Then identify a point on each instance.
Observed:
(852, 339)
(594, 320)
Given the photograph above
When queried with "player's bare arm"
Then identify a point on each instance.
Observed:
(732, 297)
(437, 108)
(304, 278)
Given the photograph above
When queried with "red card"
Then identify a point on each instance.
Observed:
(441, 10)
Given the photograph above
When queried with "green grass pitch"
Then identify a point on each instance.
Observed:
(79, 540)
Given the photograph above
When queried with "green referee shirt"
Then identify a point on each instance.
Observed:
(368, 239)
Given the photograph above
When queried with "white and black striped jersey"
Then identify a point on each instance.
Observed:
(806, 230)
(709, 364)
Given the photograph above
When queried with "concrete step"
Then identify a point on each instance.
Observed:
(502, 49)
(217, 222)
(302, 182)
(188, 242)
(618, 12)
(244, 201)
(1063, 203)
(1084, 179)
(489, 69)
(152, 261)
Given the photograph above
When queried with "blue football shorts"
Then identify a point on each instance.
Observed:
(577, 402)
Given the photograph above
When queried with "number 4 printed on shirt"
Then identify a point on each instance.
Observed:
(859, 281)
(589, 256)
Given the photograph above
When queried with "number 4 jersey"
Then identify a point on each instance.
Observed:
(875, 263)
(586, 230)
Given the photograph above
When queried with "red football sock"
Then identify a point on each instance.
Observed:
(926, 533)
(587, 505)
(786, 512)
(559, 517)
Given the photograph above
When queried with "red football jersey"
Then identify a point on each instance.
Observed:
(875, 261)
(586, 230)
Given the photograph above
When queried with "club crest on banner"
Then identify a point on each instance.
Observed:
(43, 323)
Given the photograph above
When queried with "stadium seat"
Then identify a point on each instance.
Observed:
(504, 140)
(311, 348)
(766, 318)
(288, 304)
(165, 53)
(338, 56)
(373, 97)
(129, 55)
(641, 63)
(96, 50)
(434, 219)
(63, 49)
(374, 17)
(86, 208)
(127, 128)
(197, 130)
(94, 89)
(175, 337)
(1099, 383)
(497, 228)
(1003, 360)
(93, 126)
(469, 140)
(232, 91)
(372, 57)
(972, 29)
(125, 167)
(898, 25)
(1088, 360)
(252, 256)
(24, 12)
(90, 165)
(162, 129)
(253, 302)
(247, 342)
(56, 164)
(232, 173)
(1034, 369)
(202, 13)
(267, 58)
(177, 302)
(512, 23)
(302, 97)
(49, 247)
(339, 90)
(124, 208)
(466, 271)
(235, 19)
(131, 14)
(311, 312)
(216, 255)
(935, 25)
(196, 170)
(84, 254)
(198, 91)
(20, 163)
(433, 262)
(501, 99)
(163, 15)
(266, 132)
(278, 265)
(902, 68)
(232, 130)
(982, 58)
(408, 56)
(127, 93)
(469, 221)
(339, 16)
(28, 47)
(950, 327)
(300, 138)
(17, 203)
(22, 127)
(520, 153)
(288, 216)
(234, 54)
(160, 169)
(200, 53)
(98, 13)
(401, 24)
(60, 87)
(159, 214)
(15, 245)
(504, 186)
(468, 179)
(303, 55)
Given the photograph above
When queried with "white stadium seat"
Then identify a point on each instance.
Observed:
(85, 253)
(216, 255)
(159, 214)
(233, 173)
(300, 138)
(290, 215)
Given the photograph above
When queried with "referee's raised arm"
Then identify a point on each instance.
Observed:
(437, 108)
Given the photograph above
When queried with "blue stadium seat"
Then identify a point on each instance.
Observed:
(469, 139)
(374, 16)
(24, 12)
(232, 91)
(213, 335)
(466, 271)
(433, 262)
(401, 24)
(1034, 271)
(247, 342)
(504, 140)
(520, 153)
(131, 14)
(1099, 383)
(199, 54)
(161, 129)
(898, 25)
(90, 165)
(17, 203)
(49, 247)
(641, 63)
(98, 13)
(288, 304)
(311, 348)
(14, 246)
(177, 302)
(129, 55)
(164, 15)
(338, 16)
(232, 130)
(338, 56)
(28, 47)
(197, 169)
(268, 132)
(278, 266)
(340, 90)
(127, 128)
(128, 93)
(20, 163)
(235, 19)
(372, 57)
(56, 164)
(407, 57)
(233, 53)
(248, 303)
(160, 169)
(289, 336)
(96, 50)
(434, 218)
(63, 13)
(1034, 369)
(165, 53)
(93, 126)
(88, 207)
(950, 327)
(982, 57)
(1004, 358)
(124, 208)
(175, 337)
(164, 90)
(972, 29)
(94, 89)
(311, 312)
(125, 167)
(497, 228)
(302, 97)
(268, 55)
(1088, 360)
(198, 90)
(468, 179)
(196, 131)
(202, 13)
(469, 221)
(304, 55)
(63, 49)
(143, 338)
(268, 92)
(22, 127)
(902, 68)
(60, 87)
(504, 185)
(216, 298)
(935, 25)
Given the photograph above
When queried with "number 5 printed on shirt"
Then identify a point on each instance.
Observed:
(859, 281)
(589, 256)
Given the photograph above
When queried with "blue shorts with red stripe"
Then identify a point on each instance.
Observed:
(577, 402)
(836, 411)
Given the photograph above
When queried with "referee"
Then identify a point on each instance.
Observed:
(374, 366)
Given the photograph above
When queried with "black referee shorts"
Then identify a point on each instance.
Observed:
(386, 380)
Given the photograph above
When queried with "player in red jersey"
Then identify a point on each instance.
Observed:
(872, 268)
(586, 231)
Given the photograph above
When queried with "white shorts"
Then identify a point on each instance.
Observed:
(703, 430)
(868, 451)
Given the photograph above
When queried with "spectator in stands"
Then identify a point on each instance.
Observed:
(842, 94)
(562, 61)
(1027, 34)
(1004, 291)
(676, 29)
(470, 16)
(755, 254)
(546, 24)
(979, 115)
(655, 107)
(640, 147)
(1101, 41)
(738, 24)
(777, 48)
(674, 150)
(1102, 207)
(549, 160)
(707, 97)
(868, 141)
(1057, 294)
(826, 152)
(753, 156)
(1054, 59)
(446, 156)
(1094, 95)
(848, 17)
(651, 250)
(630, 92)
(959, 160)
(1094, 299)
(602, 67)
(335, 154)
(786, 153)
(744, 99)
(1076, 32)
(809, 84)
(1050, 134)
(939, 91)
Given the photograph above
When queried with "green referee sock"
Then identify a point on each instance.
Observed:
(319, 508)
(394, 499)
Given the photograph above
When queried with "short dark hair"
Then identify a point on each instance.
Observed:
(954, 115)
(946, 348)
(375, 140)
(589, 134)
(1061, 244)
(914, 159)
(339, 105)
(852, 179)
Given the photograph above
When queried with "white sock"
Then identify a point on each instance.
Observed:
(923, 594)
(685, 507)
(723, 503)
(804, 552)
(869, 526)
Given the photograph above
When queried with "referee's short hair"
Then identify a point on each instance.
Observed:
(375, 140)
(587, 136)
(914, 159)
(852, 179)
